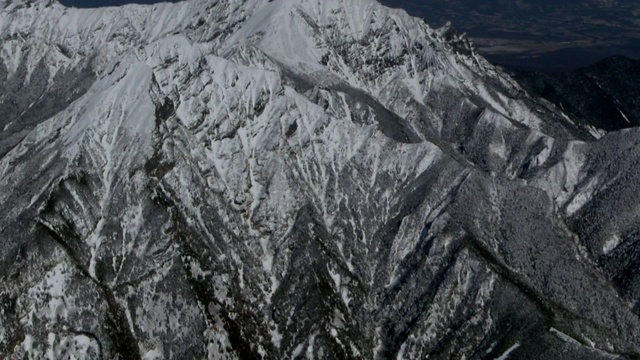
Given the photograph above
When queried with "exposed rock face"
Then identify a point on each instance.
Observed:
(298, 179)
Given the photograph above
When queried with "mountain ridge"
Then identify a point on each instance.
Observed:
(243, 179)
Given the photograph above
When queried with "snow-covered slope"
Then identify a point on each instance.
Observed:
(294, 179)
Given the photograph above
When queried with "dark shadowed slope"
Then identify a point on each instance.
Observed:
(605, 95)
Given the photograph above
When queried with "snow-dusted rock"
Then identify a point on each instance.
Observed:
(295, 179)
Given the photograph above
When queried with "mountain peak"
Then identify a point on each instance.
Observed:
(293, 179)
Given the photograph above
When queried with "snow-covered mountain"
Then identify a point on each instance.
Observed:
(241, 179)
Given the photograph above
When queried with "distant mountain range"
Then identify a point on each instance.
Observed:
(539, 35)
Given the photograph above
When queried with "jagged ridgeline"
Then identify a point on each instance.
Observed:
(298, 179)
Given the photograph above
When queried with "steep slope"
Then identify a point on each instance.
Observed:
(604, 95)
(291, 179)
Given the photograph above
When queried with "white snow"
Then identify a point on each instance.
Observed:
(252, 176)
(564, 337)
(312, 340)
(613, 242)
(624, 116)
(506, 354)
(297, 351)
(595, 132)
(152, 355)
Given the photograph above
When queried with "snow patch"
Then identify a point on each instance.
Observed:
(623, 115)
(506, 354)
(613, 242)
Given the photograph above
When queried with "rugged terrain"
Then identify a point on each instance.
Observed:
(605, 95)
(333, 179)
